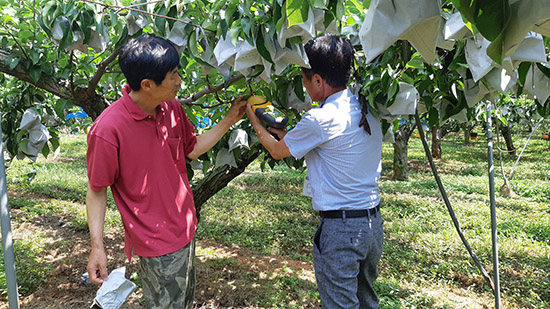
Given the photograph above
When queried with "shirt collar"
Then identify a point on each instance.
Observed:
(134, 110)
(334, 97)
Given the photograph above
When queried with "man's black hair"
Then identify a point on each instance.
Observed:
(331, 57)
(147, 57)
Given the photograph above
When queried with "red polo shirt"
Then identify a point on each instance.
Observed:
(142, 159)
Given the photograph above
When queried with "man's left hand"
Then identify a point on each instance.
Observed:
(237, 110)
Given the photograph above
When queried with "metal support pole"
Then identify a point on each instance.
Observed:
(493, 204)
(7, 241)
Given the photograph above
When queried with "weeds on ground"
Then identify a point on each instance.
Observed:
(424, 264)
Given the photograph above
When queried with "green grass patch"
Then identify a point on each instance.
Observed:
(424, 264)
(423, 257)
(30, 271)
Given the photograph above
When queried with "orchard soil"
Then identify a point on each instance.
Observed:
(67, 252)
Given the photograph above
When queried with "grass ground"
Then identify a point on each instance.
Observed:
(254, 240)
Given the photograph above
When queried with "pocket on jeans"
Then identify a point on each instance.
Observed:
(317, 238)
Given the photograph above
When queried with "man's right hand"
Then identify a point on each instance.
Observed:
(279, 132)
(97, 266)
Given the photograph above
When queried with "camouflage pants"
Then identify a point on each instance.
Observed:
(169, 280)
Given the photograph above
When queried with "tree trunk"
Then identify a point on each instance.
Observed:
(218, 178)
(466, 135)
(507, 134)
(90, 101)
(401, 152)
(436, 144)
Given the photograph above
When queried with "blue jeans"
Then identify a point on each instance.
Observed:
(346, 253)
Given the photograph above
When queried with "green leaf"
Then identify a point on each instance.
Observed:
(218, 5)
(246, 25)
(86, 23)
(385, 126)
(60, 106)
(23, 145)
(47, 16)
(234, 33)
(466, 8)
(329, 17)
(67, 39)
(35, 56)
(43, 26)
(172, 12)
(229, 15)
(12, 61)
(394, 88)
(357, 4)
(45, 150)
(222, 27)
(523, 68)
(409, 79)
(261, 47)
(277, 12)
(544, 69)
(35, 73)
(415, 64)
(297, 11)
(366, 3)
(299, 88)
(491, 18)
(458, 62)
(160, 23)
(371, 99)
(386, 80)
(122, 38)
(337, 8)
(114, 19)
(495, 49)
(54, 141)
(340, 10)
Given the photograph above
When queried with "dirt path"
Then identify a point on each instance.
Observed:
(223, 272)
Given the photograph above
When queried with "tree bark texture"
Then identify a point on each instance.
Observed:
(437, 153)
(218, 178)
(401, 152)
(507, 134)
(90, 101)
(467, 135)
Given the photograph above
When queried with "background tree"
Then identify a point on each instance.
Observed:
(67, 51)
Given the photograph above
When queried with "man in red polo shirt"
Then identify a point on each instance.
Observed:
(138, 146)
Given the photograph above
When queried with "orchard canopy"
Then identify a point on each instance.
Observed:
(439, 58)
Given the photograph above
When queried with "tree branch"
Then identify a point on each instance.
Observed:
(18, 44)
(101, 68)
(207, 106)
(143, 12)
(209, 90)
(142, 4)
(50, 83)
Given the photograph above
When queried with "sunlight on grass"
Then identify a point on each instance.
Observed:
(424, 264)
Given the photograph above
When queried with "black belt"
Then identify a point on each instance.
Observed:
(350, 213)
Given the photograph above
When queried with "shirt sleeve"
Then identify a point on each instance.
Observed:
(304, 137)
(102, 161)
